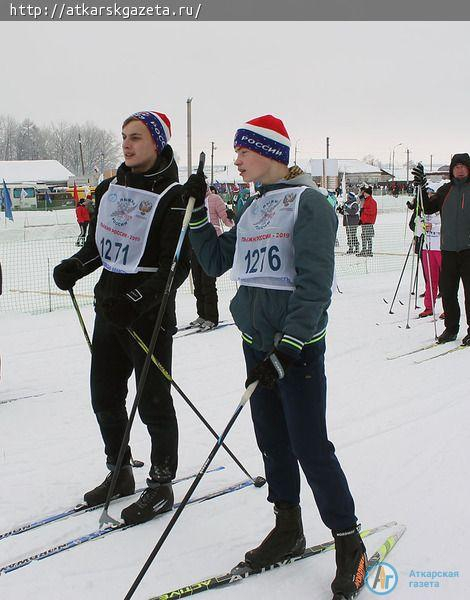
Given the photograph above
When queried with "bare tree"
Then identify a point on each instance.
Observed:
(27, 141)
(8, 132)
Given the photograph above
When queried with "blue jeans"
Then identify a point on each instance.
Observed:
(290, 429)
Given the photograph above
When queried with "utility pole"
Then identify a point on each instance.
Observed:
(213, 147)
(407, 167)
(430, 167)
(327, 147)
(188, 130)
(81, 153)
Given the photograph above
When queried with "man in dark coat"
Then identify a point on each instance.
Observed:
(452, 200)
(134, 236)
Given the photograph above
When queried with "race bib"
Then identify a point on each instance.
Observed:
(123, 224)
(264, 254)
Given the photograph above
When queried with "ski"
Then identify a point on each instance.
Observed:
(422, 349)
(193, 330)
(241, 572)
(8, 400)
(80, 508)
(98, 533)
(188, 327)
(449, 351)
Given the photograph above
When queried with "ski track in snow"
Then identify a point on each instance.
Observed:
(400, 430)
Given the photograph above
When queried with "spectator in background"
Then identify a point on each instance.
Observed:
(452, 200)
(431, 259)
(350, 212)
(83, 218)
(367, 218)
(90, 205)
(418, 233)
(242, 198)
(205, 288)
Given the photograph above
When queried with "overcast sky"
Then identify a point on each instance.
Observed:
(368, 86)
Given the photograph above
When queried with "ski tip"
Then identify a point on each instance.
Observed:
(259, 481)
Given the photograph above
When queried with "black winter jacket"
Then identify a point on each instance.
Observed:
(161, 243)
(452, 200)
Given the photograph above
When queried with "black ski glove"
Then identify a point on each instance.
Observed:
(67, 273)
(270, 370)
(196, 187)
(419, 176)
(124, 309)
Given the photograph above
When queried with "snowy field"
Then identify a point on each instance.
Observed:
(401, 431)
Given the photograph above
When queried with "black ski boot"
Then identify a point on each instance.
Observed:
(466, 340)
(447, 336)
(155, 500)
(351, 564)
(125, 486)
(285, 540)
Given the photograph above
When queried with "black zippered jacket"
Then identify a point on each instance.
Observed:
(161, 242)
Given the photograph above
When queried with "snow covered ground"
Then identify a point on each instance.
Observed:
(401, 431)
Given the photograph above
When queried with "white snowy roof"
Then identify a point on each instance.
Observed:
(33, 171)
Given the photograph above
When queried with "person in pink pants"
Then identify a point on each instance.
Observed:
(431, 259)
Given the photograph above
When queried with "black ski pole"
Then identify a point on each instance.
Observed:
(399, 281)
(80, 318)
(257, 481)
(134, 461)
(105, 518)
(246, 396)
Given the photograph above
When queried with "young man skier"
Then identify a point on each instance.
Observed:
(133, 236)
(281, 252)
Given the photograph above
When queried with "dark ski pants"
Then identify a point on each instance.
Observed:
(205, 291)
(367, 235)
(455, 267)
(290, 429)
(115, 356)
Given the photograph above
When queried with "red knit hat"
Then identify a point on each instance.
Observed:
(265, 135)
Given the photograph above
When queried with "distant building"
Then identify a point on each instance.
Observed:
(356, 172)
(27, 178)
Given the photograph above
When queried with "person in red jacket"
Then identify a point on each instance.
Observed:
(368, 216)
(83, 218)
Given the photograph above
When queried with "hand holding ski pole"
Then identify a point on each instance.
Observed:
(196, 187)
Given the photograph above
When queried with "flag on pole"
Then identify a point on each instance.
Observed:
(75, 193)
(23, 194)
(7, 202)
